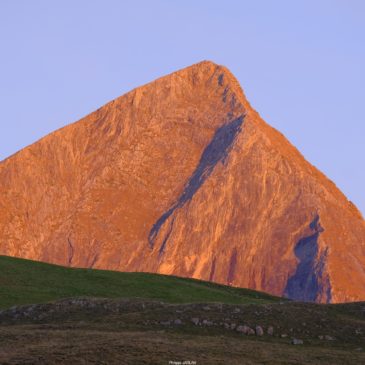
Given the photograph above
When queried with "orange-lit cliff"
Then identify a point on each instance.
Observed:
(181, 176)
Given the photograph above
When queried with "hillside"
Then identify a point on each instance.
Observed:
(27, 282)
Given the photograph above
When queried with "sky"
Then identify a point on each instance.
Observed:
(300, 63)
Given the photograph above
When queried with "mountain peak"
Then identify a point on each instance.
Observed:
(181, 176)
(204, 64)
(204, 74)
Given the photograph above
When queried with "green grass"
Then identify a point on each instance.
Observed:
(26, 282)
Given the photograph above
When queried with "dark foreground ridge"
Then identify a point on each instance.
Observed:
(137, 331)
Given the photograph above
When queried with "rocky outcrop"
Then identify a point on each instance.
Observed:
(182, 177)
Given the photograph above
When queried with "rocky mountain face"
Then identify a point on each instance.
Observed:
(182, 177)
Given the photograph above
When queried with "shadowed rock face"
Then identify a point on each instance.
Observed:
(181, 176)
(305, 283)
(216, 151)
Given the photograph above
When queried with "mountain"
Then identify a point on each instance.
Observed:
(182, 177)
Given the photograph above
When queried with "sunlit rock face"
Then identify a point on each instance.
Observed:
(182, 177)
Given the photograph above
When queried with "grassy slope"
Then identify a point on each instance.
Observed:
(25, 282)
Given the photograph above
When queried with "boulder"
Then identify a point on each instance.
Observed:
(206, 322)
(250, 331)
(241, 329)
(329, 338)
(259, 331)
(165, 323)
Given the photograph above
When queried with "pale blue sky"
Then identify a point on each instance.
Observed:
(301, 64)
